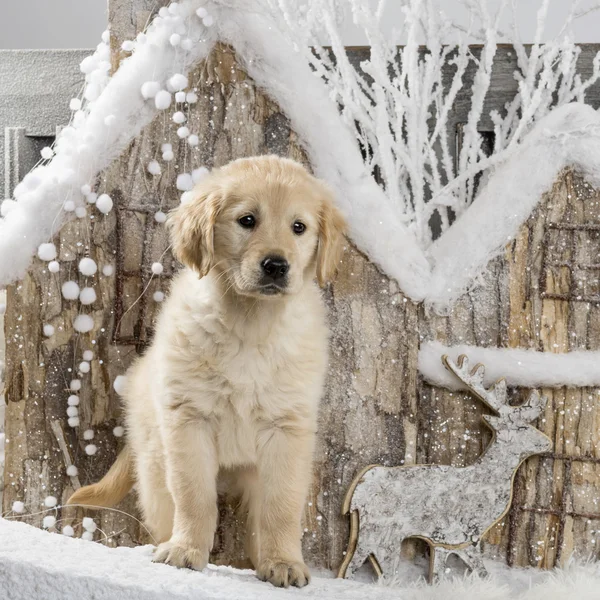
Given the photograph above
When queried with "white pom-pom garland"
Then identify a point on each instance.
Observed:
(118, 431)
(67, 529)
(80, 212)
(47, 153)
(48, 330)
(179, 117)
(202, 12)
(18, 506)
(184, 182)
(88, 267)
(75, 385)
(50, 501)
(128, 46)
(91, 449)
(69, 206)
(175, 39)
(87, 296)
(180, 97)
(199, 174)
(49, 521)
(73, 400)
(89, 524)
(88, 536)
(158, 296)
(154, 167)
(92, 197)
(157, 268)
(160, 216)
(107, 270)
(84, 367)
(150, 89)
(86, 189)
(47, 252)
(104, 204)
(162, 100)
(72, 471)
(54, 266)
(119, 384)
(88, 355)
(191, 98)
(168, 155)
(70, 290)
(72, 411)
(88, 434)
(193, 140)
(183, 132)
(83, 323)
(73, 421)
(178, 82)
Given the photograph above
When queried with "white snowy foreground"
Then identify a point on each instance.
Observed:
(37, 565)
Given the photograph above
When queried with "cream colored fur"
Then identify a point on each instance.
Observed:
(229, 389)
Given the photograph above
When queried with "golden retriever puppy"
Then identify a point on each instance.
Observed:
(231, 383)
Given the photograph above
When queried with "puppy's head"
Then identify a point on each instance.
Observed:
(264, 224)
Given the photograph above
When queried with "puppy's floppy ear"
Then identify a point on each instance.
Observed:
(332, 228)
(192, 227)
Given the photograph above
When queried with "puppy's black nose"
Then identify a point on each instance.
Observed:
(275, 267)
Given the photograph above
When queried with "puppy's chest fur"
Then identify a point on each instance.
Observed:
(263, 372)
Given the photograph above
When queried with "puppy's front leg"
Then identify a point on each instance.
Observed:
(192, 467)
(284, 470)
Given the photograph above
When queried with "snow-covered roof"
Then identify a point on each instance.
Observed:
(118, 107)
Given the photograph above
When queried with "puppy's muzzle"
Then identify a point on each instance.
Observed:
(274, 274)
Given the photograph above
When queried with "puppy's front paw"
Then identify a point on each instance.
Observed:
(283, 573)
(182, 556)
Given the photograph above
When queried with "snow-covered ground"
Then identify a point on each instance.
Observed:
(37, 565)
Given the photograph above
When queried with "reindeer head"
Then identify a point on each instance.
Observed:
(510, 419)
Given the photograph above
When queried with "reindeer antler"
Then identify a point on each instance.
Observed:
(495, 396)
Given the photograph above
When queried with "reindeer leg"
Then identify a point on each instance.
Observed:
(437, 562)
(472, 557)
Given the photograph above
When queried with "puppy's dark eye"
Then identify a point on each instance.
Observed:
(247, 221)
(299, 228)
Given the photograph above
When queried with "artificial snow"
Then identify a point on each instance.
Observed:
(38, 565)
(526, 368)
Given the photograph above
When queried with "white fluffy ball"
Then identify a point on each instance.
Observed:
(118, 431)
(73, 421)
(162, 100)
(87, 296)
(193, 140)
(88, 355)
(83, 323)
(184, 182)
(158, 296)
(75, 385)
(107, 270)
(154, 167)
(18, 506)
(67, 529)
(75, 104)
(199, 174)
(88, 267)
(72, 471)
(183, 132)
(47, 153)
(48, 330)
(84, 366)
(178, 82)
(150, 89)
(175, 39)
(73, 400)
(119, 384)
(88, 434)
(80, 212)
(69, 206)
(72, 411)
(168, 155)
(88, 536)
(160, 216)
(50, 501)
(49, 521)
(157, 268)
(92, 197)
(104, 204)
(47, 251)
(89, 524)
(191, 97)
(90, 450)
(166, 147)
(202, 12)
(70, 290)
(180, 97)
(54, 266)
(86, 189)
(128, 46)
(179, 117)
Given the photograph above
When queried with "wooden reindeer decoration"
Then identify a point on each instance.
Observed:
(451, 508)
